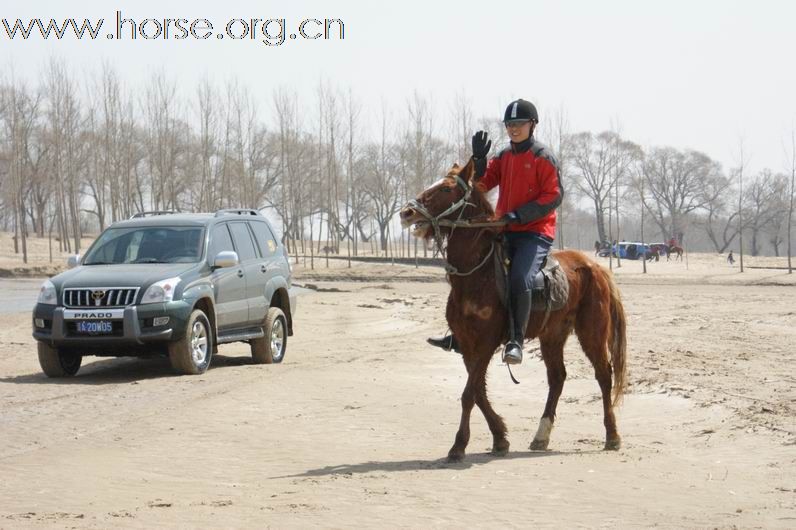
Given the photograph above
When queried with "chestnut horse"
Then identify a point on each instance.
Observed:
(455, 211)
(677, 251)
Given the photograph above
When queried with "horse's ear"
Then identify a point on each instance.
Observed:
(455, 166)
(468, 171)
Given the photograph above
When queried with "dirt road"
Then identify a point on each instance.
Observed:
(351, 429)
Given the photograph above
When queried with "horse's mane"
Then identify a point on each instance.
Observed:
(478, 196)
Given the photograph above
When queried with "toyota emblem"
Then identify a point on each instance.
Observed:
(97, 296)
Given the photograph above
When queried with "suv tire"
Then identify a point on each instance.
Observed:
(191, 354)
(55, 363)
(271, 348)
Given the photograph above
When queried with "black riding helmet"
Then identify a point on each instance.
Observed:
(521, 111)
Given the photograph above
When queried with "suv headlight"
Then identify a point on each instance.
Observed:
(162, 291)
(47, 294)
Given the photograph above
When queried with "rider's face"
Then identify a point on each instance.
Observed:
(518, 132)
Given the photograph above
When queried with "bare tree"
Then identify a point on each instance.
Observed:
(20, 112)
(598, 161)
(764, 205)
(165, 143)
(678, 184)
(776, 225)
(791, 155)
(207, 110)
(719, 215)
(352, 205)
(331, 174)
(739, 171)
(422, 154)
(462, 128)
(383, 184)
(64, 122)
(294, 165)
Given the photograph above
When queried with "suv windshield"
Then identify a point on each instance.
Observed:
(150, 244)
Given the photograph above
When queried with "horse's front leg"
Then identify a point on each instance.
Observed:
(456, 453)
(500, 444)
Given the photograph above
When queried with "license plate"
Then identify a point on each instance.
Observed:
(94, 327)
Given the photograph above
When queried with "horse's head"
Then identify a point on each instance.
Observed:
(445, 199)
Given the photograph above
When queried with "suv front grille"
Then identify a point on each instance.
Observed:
(100, 297)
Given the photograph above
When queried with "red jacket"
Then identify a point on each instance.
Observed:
(530, 186)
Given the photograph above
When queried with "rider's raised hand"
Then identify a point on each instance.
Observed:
(481, 145)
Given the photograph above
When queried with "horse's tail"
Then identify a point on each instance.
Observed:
(617, 343)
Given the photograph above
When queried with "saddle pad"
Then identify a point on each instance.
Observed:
(556, 284)
(556, 289)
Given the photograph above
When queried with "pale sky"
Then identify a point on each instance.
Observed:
(682, 73)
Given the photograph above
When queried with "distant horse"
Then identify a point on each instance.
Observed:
(455, 211)
(674, 249)
(661, 248)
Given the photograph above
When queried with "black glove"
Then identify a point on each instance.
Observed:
(480, 167)
(510, 218)
(481, 145)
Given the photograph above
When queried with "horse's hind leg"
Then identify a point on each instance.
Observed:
(476, 369)
(592, 339)
(500, 444)
(553, 355)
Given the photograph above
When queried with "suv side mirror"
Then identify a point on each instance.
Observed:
(73, 261)
(225, 258)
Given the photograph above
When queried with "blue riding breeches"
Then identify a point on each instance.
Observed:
(527, 251)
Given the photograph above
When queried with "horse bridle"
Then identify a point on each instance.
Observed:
(439, 220)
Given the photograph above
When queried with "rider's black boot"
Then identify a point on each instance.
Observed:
(447, 343)
(521, 307)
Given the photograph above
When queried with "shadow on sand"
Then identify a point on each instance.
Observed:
(121, 370)
(397, 466)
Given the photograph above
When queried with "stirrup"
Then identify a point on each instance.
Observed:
(512, 353)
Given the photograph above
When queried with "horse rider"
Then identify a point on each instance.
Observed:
(529, 192)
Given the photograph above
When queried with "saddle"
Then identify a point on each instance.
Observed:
(550, 286)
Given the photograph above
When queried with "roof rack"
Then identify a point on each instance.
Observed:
(237, 211)
(154, 212)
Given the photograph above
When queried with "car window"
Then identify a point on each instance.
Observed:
(150, 244)
(220, 241)
(243, 241)
(265, 238)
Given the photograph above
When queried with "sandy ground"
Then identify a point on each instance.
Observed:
(351, 430)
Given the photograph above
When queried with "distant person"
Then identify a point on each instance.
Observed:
(597, 247)
(731, 259)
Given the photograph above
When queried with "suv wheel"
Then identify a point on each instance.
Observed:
(191, 354)
(55, 363)
(271, 348)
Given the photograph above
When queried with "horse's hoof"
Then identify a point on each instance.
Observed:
(455, 457)
(539, 445)
(613, 445)
(501, 448)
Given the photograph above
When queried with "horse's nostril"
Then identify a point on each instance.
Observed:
(407, 212)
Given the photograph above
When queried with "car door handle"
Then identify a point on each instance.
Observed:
(263, 268)
(240, 273)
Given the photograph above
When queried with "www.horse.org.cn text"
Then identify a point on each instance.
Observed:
(268, 31)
